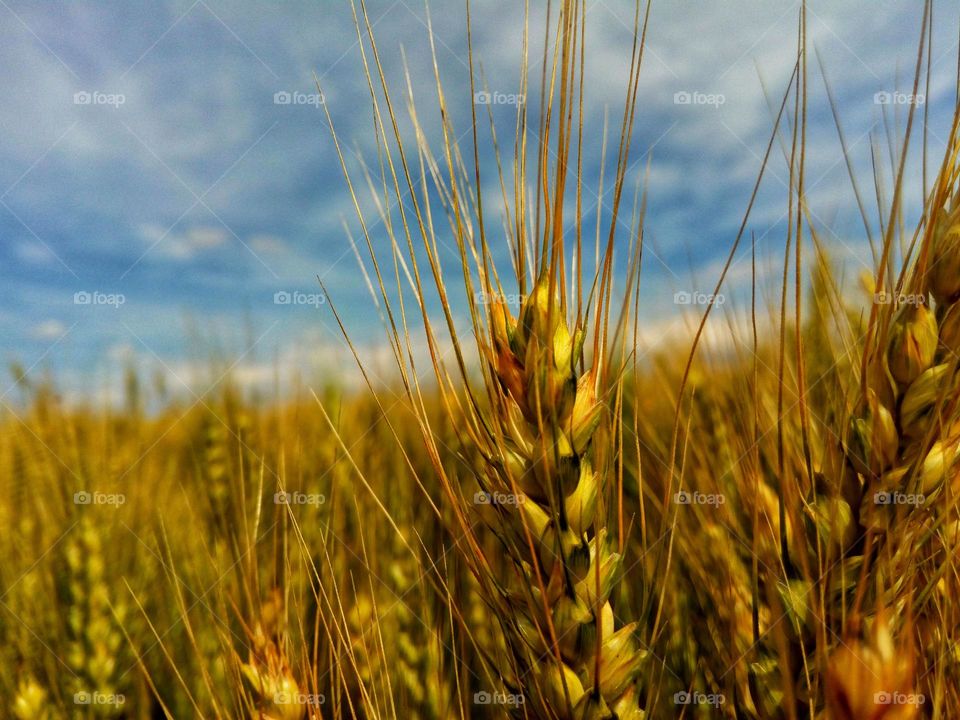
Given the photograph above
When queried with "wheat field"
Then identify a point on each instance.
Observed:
(527, 515)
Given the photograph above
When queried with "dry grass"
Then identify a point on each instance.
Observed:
(547, 527)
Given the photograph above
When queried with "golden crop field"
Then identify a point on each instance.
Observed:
(530, 515)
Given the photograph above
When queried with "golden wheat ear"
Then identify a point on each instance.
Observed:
(903, 442)
(872, 678)
(31, 701)
(536, 437)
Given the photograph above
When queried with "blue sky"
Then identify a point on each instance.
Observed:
(145, 158)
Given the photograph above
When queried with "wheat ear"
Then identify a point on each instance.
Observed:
(542, 483)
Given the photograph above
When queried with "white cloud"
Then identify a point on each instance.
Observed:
(181, 245)
(270, 244)
(34, 252)
(48, 330)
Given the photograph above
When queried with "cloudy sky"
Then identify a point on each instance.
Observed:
(166, 168)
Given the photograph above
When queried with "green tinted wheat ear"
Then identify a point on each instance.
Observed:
(31, 702)
(485, 629)
(419, 669)
(95, 640)
(541, 492)
(216, 469)
(396, 643)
